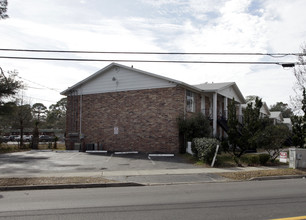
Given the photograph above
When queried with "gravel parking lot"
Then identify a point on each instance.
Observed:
(38, 162)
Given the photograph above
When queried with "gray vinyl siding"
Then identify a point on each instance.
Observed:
(230, 93)
(125, 80)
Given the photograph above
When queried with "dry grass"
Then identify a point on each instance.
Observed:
(51, 181)
(246, 175)
(6, 148)
(10, 148)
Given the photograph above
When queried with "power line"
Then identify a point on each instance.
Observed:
(39, 84)
(147, 61)
(275, 55)
(31, 97)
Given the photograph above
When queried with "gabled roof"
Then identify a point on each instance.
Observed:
(75, 86)
(287, 121)
(206, 87)
(265, 106)
(214, 87)
(276, 115)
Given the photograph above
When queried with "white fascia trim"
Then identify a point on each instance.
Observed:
(128, 89)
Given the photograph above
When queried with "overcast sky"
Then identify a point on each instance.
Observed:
(267, 26)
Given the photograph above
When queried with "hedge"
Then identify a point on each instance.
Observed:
(205, 148)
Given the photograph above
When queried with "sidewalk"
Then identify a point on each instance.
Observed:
(138, 172)
(126, 178)
(137, 177)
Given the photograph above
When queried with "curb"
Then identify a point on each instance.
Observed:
(131, 184)
(68, 186)
(277, 177)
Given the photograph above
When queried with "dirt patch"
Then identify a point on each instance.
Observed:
(51, 181)
(246, 175)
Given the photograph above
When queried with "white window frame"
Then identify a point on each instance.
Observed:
(190, 101)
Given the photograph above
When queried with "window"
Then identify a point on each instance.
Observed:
(190, 104)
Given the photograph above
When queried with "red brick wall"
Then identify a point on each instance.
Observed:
(146, 119)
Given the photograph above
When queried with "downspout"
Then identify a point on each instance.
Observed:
(81, 136)
(185, 97)
(215, 96)
(81, 98)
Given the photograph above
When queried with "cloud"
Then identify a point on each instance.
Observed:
(162, 25)
(285, 23)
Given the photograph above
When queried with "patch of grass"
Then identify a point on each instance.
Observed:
(201, 163)
(48, 146)
(11, 148)
(225, 160)
(61, 146)
(8, 148)
(51, 181)
(188, 158)
(228, 160)
(246, 175)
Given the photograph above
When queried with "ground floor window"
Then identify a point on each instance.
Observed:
(190, 102)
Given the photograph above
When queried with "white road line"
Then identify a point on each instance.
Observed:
(109, 158)
(151, 160)
(73, 156)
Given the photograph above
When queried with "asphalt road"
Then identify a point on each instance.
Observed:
(234, 200)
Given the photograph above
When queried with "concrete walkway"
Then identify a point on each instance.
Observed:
(182, 171)
(128, 178)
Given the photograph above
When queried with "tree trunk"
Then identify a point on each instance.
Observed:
(21, 133)
(35, 138)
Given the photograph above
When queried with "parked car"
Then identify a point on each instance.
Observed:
(16, 138)
(27, 138)
(46, 138)
(4, 139)
(12, 137)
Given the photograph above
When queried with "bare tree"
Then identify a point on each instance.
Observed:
(3, 9)
(300, 84)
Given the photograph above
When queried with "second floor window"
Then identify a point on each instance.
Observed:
(190, 102)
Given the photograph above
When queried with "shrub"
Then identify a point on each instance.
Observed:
(225, 160)
(193, 148)
(205, 148)
(263, 158)
(250, 159)
(195, 126)
(225, 147)
(272, 139)
(255, 159)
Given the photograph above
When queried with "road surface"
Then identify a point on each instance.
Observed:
(234, 200)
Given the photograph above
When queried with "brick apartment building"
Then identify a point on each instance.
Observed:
(120, 108)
